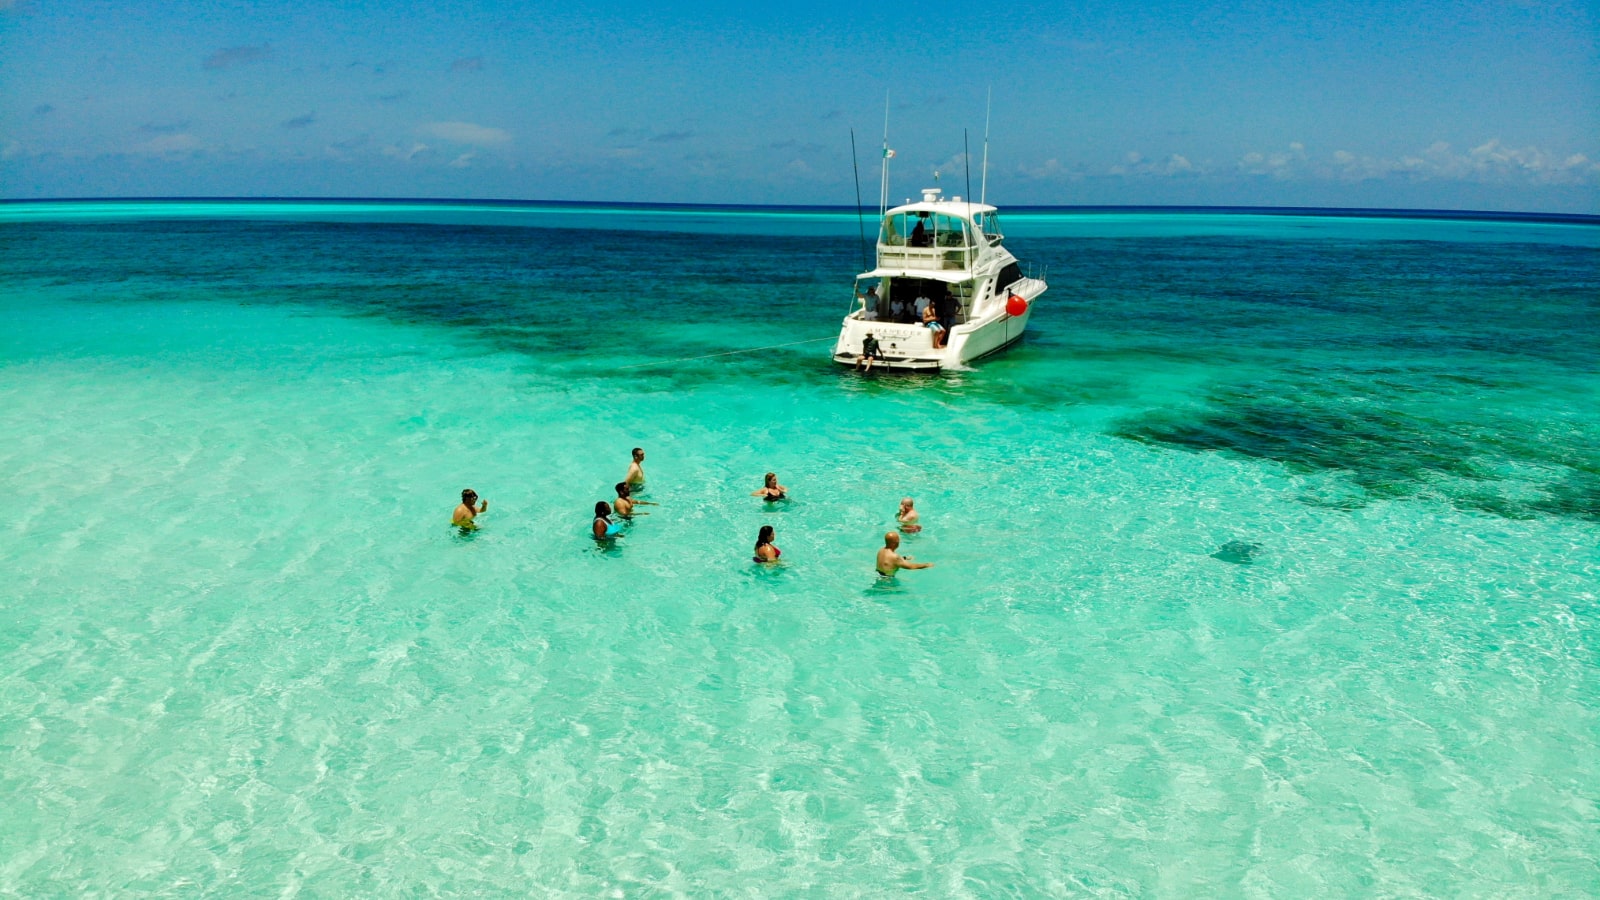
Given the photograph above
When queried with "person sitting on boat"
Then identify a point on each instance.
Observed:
(919, 235)
(765, 551)
(930, 318)
(900, 310)
(604, 528)
(869, 351)
(771, 490)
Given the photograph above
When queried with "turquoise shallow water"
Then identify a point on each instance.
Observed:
(1267, 566)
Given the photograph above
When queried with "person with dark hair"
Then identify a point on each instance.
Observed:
(765, 551)
(900, 309)
(869, 351)
(605, 529)
(771, 490)
(930, 318)
(467, 512)
(636, 469)
(625, 503)
(946, 307)
(919, 233)
(869, 303)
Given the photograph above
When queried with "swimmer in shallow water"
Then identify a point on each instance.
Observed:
(890, 561)
(765, 551)
(467, 512)
(604, 528)
(624, 504)
(636, 469)
(907, 517)
(771, 490)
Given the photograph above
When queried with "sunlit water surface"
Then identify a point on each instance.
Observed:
(1266, 566)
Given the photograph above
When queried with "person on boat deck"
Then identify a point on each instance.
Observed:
(869, 303)
(930, 318)
(869, 351)
(899, 310)
(946, 308)
(604, 528)
(771, 490)
(765, 551)
(636, 469)
(625, 503)
(889, 559)
(921, 304)
(907, 517)
(466, 512)
(919, 235)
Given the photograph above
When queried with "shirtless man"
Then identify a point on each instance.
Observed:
(908, 518)
(889, 559)
(624, 504)
(465, 513)
(636, 469)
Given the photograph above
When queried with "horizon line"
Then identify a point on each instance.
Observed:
(1325, 211)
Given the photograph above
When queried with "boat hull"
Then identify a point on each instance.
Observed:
(910, 347)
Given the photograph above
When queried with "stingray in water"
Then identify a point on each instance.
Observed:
(1240, 553)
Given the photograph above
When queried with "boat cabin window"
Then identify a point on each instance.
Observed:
(990, 223)
(923, 229)
(1009, 275)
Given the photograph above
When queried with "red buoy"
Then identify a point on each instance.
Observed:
(1015, 305)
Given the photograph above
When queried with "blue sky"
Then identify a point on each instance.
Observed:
(1474, 105)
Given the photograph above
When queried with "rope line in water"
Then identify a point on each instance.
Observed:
(667, 362)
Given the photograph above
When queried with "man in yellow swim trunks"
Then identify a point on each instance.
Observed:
(466, 512)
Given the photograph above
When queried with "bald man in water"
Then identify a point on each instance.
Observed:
(889, 559)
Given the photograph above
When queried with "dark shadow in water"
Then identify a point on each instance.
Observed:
(1240, 553)
(1390, 445)
(1392, 363)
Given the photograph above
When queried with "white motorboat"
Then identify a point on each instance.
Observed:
(945, 252)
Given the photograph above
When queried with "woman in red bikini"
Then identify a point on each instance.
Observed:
(765, 551)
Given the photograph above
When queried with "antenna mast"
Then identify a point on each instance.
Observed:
(883, 187)
(860, 220)
(987, 106)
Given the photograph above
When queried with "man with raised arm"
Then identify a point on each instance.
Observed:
(889, 559)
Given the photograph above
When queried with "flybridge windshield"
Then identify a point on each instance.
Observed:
(990, 223)
(923, 229)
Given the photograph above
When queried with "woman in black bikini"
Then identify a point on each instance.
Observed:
(773, 490)
(765, 551)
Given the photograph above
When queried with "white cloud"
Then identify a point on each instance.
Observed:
(464, 160)
(467, 133)
(1280, 165)
(1490, 162)
(1052, 170)
(1174, 166)
(408, 153)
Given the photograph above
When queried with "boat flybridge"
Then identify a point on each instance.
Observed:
(945, 253)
